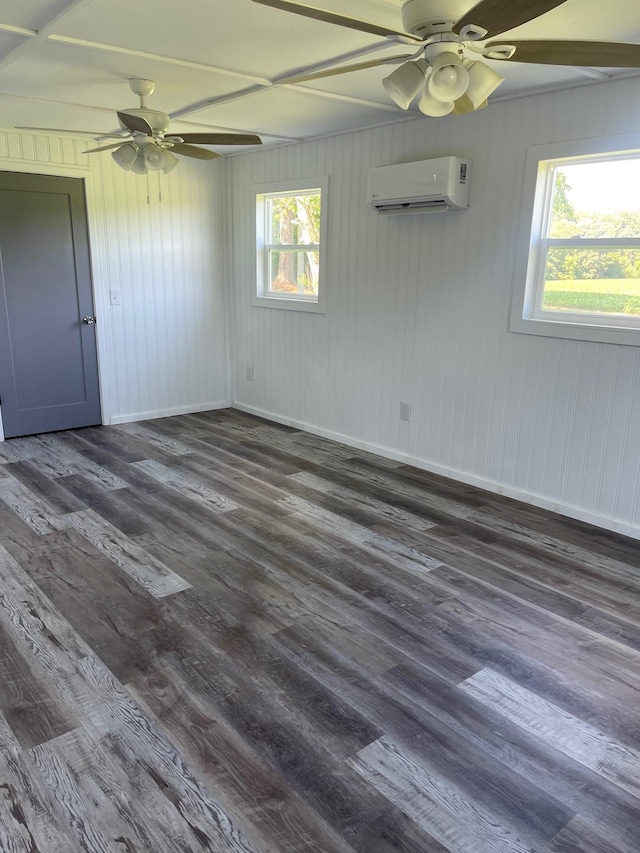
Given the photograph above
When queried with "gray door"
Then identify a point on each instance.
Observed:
(48, 361)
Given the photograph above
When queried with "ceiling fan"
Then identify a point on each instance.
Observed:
(145, 144)
(445, 70)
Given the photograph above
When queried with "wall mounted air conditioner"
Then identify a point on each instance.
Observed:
(420, 187)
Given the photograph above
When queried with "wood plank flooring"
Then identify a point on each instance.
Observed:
(220, 634)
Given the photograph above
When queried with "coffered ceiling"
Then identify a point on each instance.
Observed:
(219, 65)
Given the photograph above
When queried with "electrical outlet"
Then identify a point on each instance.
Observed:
(250, 374)
(405, 411)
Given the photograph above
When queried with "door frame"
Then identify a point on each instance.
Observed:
(100, 299)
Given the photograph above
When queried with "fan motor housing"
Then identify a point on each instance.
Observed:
(427, 17)
(158, 121)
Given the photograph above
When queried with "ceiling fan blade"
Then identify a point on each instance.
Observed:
(193, 151)
(104, 148)
(340, 20)
(598, 54)
(136, 124)
(345, 69)
(76, 132)
(221, 138)
(498, 16)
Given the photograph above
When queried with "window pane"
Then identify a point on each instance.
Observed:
(593, 280)
(596, 199)
(295, 219)
(294, 272)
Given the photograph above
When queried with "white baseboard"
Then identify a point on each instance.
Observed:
(167, 413)
(606, 522)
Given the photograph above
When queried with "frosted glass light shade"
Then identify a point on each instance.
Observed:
(125, 155)
(429, 106)
(154, 158)
(138, 166)
(170, 162)
(483, 81)
(403, 84)
(449, 79)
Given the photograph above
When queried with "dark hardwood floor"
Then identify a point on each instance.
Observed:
(219, 634)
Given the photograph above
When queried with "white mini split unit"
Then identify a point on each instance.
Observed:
(420, 187)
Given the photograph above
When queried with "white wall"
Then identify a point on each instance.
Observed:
(418, 311)
(163, 350)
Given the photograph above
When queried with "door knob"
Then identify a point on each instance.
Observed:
(90, 321)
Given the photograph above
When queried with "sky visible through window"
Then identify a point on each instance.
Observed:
(609, 186)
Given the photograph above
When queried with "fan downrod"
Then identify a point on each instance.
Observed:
(142, 88)
(158, 121)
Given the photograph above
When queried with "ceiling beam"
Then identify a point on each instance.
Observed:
(18, 31)
(335, 61)
(198, 106)
(254, 90)
(156, 57)
(334, 96)
(281, 82)
(594, 73)
(43, 32)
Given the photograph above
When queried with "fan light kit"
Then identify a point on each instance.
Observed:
(448, 82)
(446, 71)
(144, 144)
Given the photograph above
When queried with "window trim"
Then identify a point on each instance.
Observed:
(525, 317)
(290, 301)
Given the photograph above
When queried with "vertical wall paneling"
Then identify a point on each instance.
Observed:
(161, 246)
(159, 241)
(225, 201)
(418, 311)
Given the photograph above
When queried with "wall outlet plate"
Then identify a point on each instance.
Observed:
(405, 411)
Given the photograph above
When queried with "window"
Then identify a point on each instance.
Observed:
(290, 245)
(582, 271)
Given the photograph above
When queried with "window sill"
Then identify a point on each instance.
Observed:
(575, 331)
(289, 304)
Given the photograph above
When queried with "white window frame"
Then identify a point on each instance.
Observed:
(526, 315)
(261, 296)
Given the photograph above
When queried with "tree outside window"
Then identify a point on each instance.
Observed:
(291, 245)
